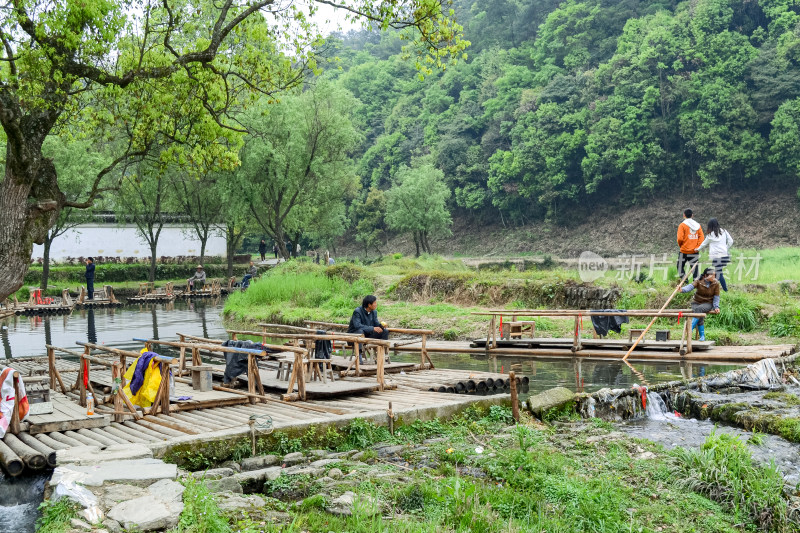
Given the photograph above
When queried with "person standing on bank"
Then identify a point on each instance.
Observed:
(262, 249)
(719, 242)
(89, 275)
(690, 235)
(365, 320)
(705, 300)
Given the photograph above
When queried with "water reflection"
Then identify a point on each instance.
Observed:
(91, 329)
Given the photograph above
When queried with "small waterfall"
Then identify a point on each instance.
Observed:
(19, 501)
(656, 408)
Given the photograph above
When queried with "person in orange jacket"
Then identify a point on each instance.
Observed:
(690, 236)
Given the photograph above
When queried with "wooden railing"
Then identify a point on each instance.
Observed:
(423, 333)
(255, 387)
(684, 347)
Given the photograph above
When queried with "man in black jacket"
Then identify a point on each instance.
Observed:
(262, 249)
(365, 320)
(89, 275)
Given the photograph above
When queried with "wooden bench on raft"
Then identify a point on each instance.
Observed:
(684, 346)
(255, 389)
(423, 333)
(309, 337)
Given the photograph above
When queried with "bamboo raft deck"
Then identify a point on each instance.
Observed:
(101, 298)
(713, 353)
(216, 412)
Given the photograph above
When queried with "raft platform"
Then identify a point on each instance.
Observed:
(219, 414)
(102, 298)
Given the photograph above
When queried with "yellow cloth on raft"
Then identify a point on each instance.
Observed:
(145, 396)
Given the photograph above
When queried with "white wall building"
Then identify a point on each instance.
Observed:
(111, 240)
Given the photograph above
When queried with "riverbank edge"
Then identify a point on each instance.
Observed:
(221, 444)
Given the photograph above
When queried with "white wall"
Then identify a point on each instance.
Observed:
(111, 240)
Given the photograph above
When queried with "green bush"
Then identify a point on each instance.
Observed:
(736, 313)
(116, 272)
(346, 271)
(785, 323)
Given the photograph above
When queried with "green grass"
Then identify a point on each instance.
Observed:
(293, 293)
(527, 479)
(56, 515)
(200, 513)
(440, 294)
(724, 471)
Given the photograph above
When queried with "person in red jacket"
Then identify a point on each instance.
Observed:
(690, 236)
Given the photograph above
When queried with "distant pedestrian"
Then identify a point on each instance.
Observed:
(89, 275)
(719, 242)
(275, 249)
(262, 249)
(690, 235)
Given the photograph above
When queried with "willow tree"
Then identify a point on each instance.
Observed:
(297, 163)
(84, 63)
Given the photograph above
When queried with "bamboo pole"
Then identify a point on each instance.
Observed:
(658, 315)
(512, 379)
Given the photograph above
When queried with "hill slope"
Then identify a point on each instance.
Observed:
(755, 219)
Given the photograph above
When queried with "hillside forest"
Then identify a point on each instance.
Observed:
(522, 111)
(561, 106)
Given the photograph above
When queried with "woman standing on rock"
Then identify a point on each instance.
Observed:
(705, 300)
(718, 241)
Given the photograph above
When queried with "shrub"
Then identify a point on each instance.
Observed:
(736, 313)
(346, 271)
(785, 323)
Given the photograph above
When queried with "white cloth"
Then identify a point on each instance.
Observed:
(7, 401)
(718, 245)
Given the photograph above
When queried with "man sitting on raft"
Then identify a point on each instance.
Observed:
(705, 300)
(365, 320)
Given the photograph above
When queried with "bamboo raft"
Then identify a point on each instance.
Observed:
(101, 298)
(149, 293)
(42, 305)
(33, 443)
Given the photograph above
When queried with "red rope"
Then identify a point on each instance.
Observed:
(680, 314)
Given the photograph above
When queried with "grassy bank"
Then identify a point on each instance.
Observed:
(437, 293)
(480, 473)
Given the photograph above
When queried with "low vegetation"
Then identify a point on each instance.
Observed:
(55, 516)
(480, 473)
(440, 294)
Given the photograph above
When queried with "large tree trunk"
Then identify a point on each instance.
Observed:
(48, 241)
(203, 241)
(416, 242)
(152, 275)
(230, 247)
(29, 206)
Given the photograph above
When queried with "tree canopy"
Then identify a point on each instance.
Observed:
(167, 74)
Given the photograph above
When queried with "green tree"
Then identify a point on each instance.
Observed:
(144, 199)
(417, 204)
(369, 216)
(785, 137)
(297, 164)
(75, 162)
(199, 199)
(83, 62)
